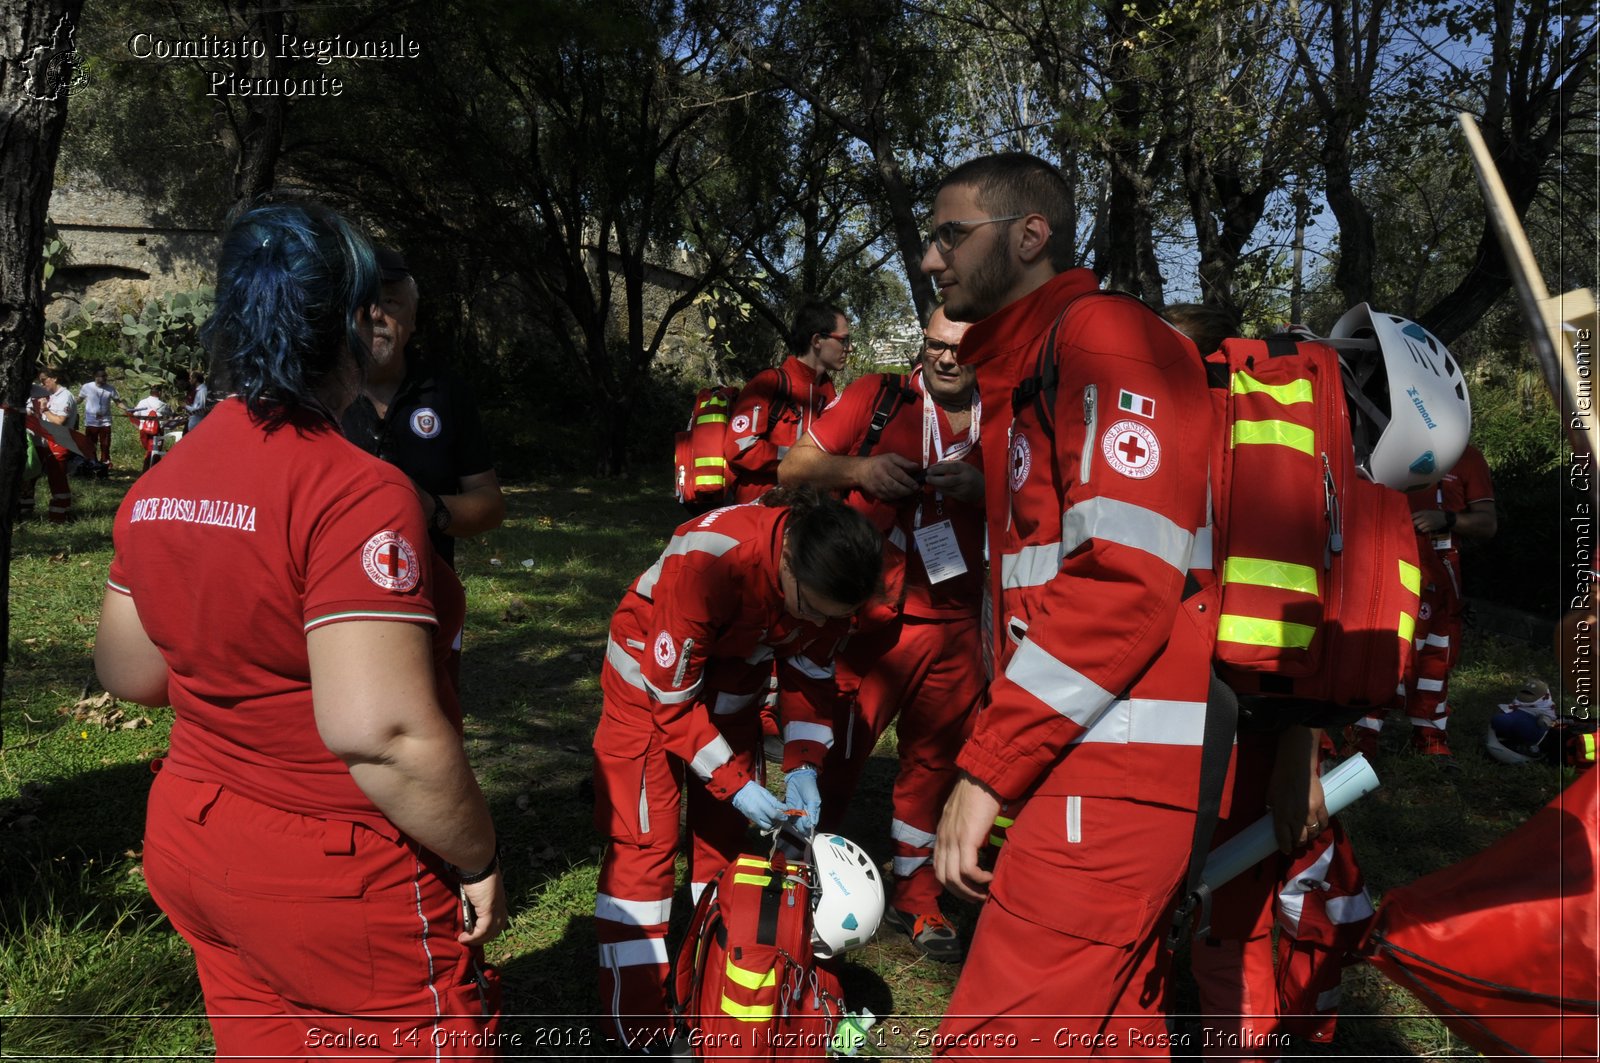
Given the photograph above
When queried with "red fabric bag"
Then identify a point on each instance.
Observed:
(1503, 945)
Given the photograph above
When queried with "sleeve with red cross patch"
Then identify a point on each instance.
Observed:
(1132, 427)
(368, 557)
(842, 426)
(752, 446)
(808, 696)
(694, 590)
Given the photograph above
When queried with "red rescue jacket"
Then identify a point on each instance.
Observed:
(697, 633)
(1105, 662)
(773, 411)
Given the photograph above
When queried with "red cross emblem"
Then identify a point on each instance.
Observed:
(1131, 448)
(390, 561)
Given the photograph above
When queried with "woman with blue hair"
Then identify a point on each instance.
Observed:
(315, 831)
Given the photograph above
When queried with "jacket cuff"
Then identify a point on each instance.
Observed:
(727, 779)
(803, 754)
(1007, 770)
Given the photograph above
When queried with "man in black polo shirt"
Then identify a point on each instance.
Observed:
(419, 416)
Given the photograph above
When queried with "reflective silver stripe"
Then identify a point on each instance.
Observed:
(1440, 724)
(628, 668)
(901, 831)
(1290, 907)
(644, 952)
(906, 866)
(634, 644)
(632, 913)
(1440, 641)
(727, 703)
(1031, 566)
(897, 537)
(781, 452)
(1150, 721)
(1063, 688)
(1200, 556)
(808, 732)
(695, 890)
(744, 443)
(1331, 999)
(1114, 521)
(1343, 910)
(1430, 685)
(809, 668)
(673, 697)
(713, 755)
(1074, 820)
(705, 542)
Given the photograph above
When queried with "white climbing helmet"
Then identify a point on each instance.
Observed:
(848, 899)
(1409, 415)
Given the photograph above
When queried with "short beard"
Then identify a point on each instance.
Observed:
(987, 285)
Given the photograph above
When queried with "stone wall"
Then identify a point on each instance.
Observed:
(121, 250)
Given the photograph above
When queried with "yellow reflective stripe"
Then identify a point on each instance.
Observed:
(1411, 578)
(752, 880)
(747, 1012)
(1264, 572)
(1588, 746)
(1407, 627)
(715, 400)
(751, 861)
(709, 481)
(712, 418)
(721, 463)
(1281, 433)
(1254, 631)
(1002, 821)
(752, 979)
(1284, 394)
(996, 840)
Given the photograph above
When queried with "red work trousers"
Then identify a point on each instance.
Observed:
(930, 673)
(1316, 896)
(314, 938)
(1438, 649)
(1067, 957)
(638, 796)
(99, 439)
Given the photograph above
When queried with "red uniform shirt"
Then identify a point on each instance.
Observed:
(234, 547)
(698, 631)
(1467, 482)
(921, 431)
(1106, 665)
(770, 415)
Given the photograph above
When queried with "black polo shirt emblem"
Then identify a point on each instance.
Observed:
(425, 422)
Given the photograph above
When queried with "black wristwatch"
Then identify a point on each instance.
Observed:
(441, 514)
(470, 878)
(1449, 519)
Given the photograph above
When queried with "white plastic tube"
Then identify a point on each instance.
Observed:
(1351, 779)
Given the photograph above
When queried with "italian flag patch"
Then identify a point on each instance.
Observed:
(1138, 404)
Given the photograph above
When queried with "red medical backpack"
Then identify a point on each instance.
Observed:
(745, 981)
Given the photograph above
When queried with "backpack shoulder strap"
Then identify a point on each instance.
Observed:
(1039, 390)
(892, 392)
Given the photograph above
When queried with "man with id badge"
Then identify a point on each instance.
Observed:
(904, 452)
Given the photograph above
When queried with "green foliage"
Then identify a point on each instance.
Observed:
(162, 341)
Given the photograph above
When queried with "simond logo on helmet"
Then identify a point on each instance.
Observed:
(1416, 400)
(838, 883)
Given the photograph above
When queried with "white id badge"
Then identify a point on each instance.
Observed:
(940, 553)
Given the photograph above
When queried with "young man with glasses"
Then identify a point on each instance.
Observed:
(1087, 755)
(921, 485)
(778, 404)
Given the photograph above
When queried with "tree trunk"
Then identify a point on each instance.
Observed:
(261, 131)
(36, 68)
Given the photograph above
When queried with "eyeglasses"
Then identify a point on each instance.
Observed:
(946, 237)
(844, 340)
(938, 347)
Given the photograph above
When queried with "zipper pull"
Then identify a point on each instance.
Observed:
(683, 663)
(1330, 497)
(1088, 404)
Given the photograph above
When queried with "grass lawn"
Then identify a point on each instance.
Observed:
(90, 967)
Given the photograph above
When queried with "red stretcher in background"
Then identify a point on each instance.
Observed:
(1505, 946)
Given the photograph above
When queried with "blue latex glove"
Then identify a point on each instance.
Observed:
(800, 791)
(758, 806)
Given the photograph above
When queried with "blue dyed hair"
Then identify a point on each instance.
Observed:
(292, 281)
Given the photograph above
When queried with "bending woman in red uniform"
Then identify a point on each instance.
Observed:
(691, 649)
(315, 830)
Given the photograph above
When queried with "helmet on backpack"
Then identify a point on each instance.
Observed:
(1409, 412)
(848, 899)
